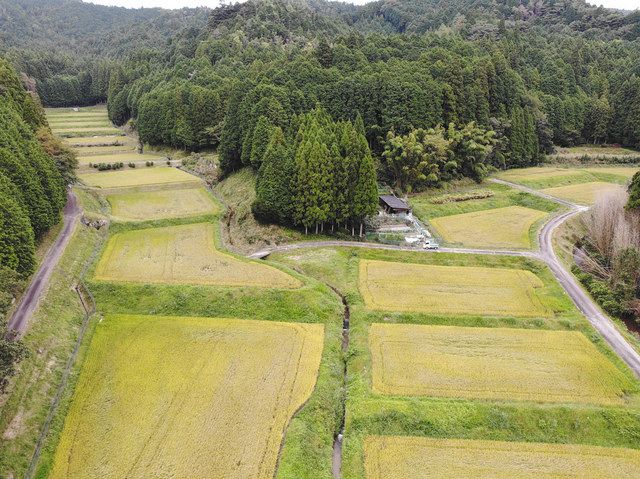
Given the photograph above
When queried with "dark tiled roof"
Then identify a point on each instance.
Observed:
(394, 202)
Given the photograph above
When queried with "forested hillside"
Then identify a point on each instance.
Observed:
(67, 47)
(34, 168)
(532, 87)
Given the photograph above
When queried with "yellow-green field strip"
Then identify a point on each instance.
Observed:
(584, 193)
(390, 286)
(507, 227)
(184, 254)
(493, 363)
(397, 457)
(186, 397)
(161, 204)
(138, 177)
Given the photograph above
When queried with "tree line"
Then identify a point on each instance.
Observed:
(34, 170)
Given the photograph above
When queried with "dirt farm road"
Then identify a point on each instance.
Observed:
(20, 318)
(583, 302)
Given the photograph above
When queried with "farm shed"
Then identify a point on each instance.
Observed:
(393, 204)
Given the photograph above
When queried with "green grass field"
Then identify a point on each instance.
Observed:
(161, 204)
(450, 289)
(421, 458)
(184, 254)
(492, 363)
(584, 193)
(138, 177)
(508, 227)
(170, 396)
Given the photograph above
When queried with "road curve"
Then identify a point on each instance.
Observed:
(20, 318)
(583, 302)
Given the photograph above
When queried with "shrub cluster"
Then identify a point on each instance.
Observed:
(107, 166)
(456, 198)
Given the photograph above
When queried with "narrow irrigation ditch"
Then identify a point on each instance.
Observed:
(336, 463)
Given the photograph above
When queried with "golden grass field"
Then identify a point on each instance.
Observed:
(585, 193)
(389, 286)
(402, 457)
(153, 205)
(156, 175)
(123, 157)
(184, 254)
(186, 397)
(507, 227)
(492, 363)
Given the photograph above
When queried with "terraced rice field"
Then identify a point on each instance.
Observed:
(85, 131)
(389, 286)
(109, 140)
(508, 227)
(138, 177)
(86, 153)
(585, 193)
(534, 175)
(422, 458)
(187, 397)
(123, 157)
(184, 254)
(624, 171)
(161, 204)
(492, 363)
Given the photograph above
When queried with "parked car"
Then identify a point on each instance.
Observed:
(431, 244)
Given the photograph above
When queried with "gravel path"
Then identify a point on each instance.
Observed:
(20, 318)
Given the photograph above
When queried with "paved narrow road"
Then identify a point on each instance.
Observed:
(583, 302)
(20, 318)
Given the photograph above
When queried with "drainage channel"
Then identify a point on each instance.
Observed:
(336, 463)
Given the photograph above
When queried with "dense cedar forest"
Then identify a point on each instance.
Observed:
(34, 170)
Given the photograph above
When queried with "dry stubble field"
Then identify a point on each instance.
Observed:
(161, 204)
(161, 397)
(390, 286)
(184, 254)
(507, 227)
(492, 363)
(422, 458)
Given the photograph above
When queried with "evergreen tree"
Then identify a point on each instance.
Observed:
(273, 203)
(260, 141)
(634, 193)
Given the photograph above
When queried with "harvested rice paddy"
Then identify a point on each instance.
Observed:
(492, 363)
(508, 227)
(123, 157)
(161, 204)
(186, 397)
(184, 254)
(87, 129)
(84, 123)
(421, 458)
(138, 177)
(585, 193)
(391, 286)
